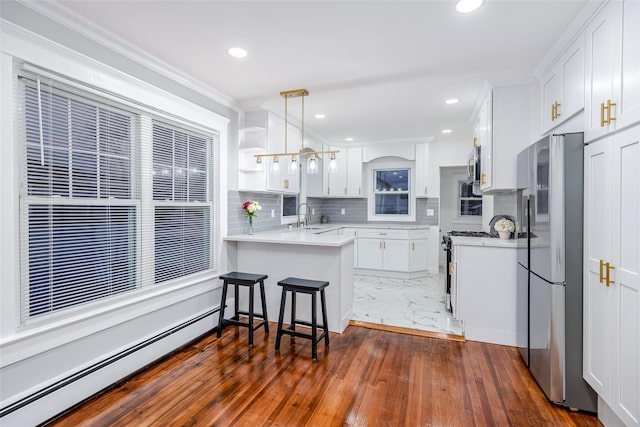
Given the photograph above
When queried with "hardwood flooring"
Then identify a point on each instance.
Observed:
(365, 377)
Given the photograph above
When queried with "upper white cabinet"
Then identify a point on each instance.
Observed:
(612, 71)
(612, 273)
(563, 87)
(502, 131)
(263, 133)
(422, 170)
(346, 179)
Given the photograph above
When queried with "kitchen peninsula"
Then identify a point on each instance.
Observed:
(298, 253)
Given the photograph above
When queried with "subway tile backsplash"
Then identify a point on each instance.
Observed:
(355, 211)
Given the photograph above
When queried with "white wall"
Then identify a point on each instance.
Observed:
(37, 356)
(443, 153)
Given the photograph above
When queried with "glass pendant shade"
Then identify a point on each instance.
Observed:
(333, 165)
(312, 165)
(293, 166)
(275, 168)
(259, 165)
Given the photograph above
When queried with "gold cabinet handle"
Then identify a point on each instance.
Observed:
(475, 141)
(384, 245)
(609, 105)
(555, 110)
(601, 268)
(607, 277)
(450, 268)
(380, 244)
(482, 179)
(413, 246)
(286, 183)
(602, 108)
(425, 189)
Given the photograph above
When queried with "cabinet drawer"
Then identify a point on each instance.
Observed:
(421, 233)
(383, 233)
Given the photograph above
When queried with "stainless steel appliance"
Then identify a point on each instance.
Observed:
(550, 182)
(473, 170)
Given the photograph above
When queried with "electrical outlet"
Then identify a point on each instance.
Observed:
(273, 213)
(430, 212)
(313, 211)
(342, 211)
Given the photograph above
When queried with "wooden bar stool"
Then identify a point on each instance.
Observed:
(243, 279)
(311, 287)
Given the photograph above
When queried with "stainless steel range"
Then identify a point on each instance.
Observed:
(446, 245)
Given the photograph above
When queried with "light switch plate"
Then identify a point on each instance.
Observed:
(342, 211)
(273, 213)
(430, 212)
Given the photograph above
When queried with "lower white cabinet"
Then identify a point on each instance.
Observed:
(484, 292)
(393, 250)
(611, 363)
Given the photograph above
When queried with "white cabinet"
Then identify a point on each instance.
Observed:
(612, 273)
(263, 133)
(484, 292)
(418, 255)
(612, 71)
(422, 169)
(563, 87)
(393, 250)
(285, 180)
(383, 249)
(502, 127)
(346, 179)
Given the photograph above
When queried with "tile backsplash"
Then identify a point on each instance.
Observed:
(355, 211)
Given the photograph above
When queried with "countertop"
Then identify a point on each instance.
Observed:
(484, 241)
(314, 235)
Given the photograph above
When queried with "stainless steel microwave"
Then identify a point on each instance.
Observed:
(473, 169)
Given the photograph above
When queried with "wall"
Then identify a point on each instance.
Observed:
(444, 153)
(238, 223)
(48, 367)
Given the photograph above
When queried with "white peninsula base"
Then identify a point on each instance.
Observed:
(333, 263)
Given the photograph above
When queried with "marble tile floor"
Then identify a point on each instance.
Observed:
(408, 303)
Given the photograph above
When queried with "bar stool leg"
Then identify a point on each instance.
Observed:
(224, 302)
(236, 302)
(251, 315)
(314, 327)
(293, 312)
(264, 307)
(324, 317)
(283, 301)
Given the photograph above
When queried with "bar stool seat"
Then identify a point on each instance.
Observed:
(243, 279)
(312, 287)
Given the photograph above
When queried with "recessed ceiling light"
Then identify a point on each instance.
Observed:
(451, 101)
(237, 52)
(348, 139)
(320, 116)
(466, 6)
(446, 130)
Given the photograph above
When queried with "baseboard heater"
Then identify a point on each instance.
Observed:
(99, 365)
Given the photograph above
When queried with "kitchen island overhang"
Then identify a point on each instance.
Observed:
(298, 253)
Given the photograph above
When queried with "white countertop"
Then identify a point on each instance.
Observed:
(484, 241)
(315, 235)
(298, 236)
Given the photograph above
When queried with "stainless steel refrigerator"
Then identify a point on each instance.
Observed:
(550, 184)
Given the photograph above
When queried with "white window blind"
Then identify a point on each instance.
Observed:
(107, 205)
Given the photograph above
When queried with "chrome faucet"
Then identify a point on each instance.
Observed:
(307, 215)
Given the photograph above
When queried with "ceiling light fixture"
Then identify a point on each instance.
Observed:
(237, 52)
(446, 130)
(312, 165)
(320, 116)
(348, 139)
(451, 101)
(466, 6)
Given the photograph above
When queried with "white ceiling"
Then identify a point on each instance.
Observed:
(379, 70)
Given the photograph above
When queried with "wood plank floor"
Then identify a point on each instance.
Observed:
(365, 377)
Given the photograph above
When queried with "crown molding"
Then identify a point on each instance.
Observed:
(75, 22)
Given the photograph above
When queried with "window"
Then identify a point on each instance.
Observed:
(87, 210)
(392, 192)
(469, 204)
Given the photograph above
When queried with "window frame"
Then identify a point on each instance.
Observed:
(388, 164)
(140, 191)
